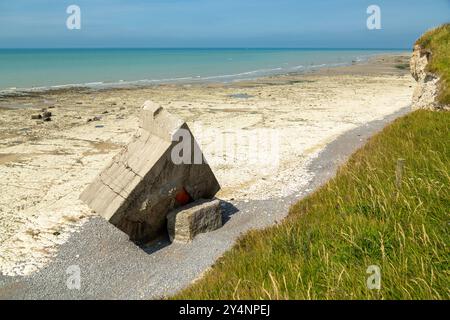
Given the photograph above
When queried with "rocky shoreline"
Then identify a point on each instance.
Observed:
(46, 164)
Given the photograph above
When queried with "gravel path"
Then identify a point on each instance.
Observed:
(114, 268)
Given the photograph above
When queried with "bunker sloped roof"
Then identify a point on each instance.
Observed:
(140, 185)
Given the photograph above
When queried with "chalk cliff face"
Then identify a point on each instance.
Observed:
(425, 94)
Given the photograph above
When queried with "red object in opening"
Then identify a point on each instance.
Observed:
(182, 197)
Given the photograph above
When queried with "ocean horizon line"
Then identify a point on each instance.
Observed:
(31, 69)
(207, 48)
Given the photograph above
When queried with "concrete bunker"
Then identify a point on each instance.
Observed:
(142, 184)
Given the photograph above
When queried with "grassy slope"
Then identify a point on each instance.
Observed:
(438, 42)
(323, 248)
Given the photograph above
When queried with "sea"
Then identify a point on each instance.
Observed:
(42, 69)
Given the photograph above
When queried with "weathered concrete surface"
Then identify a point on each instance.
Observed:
(199, 217)
(142, 183)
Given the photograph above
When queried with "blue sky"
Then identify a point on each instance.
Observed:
(217, 23)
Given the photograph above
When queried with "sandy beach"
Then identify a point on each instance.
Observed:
(46, 165)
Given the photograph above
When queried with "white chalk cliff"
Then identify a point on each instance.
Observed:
(426, 91)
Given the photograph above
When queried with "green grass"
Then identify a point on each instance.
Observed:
(438, 42)
(360, 218)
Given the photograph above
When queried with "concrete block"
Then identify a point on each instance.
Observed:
(198, 217)
(142, 184)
